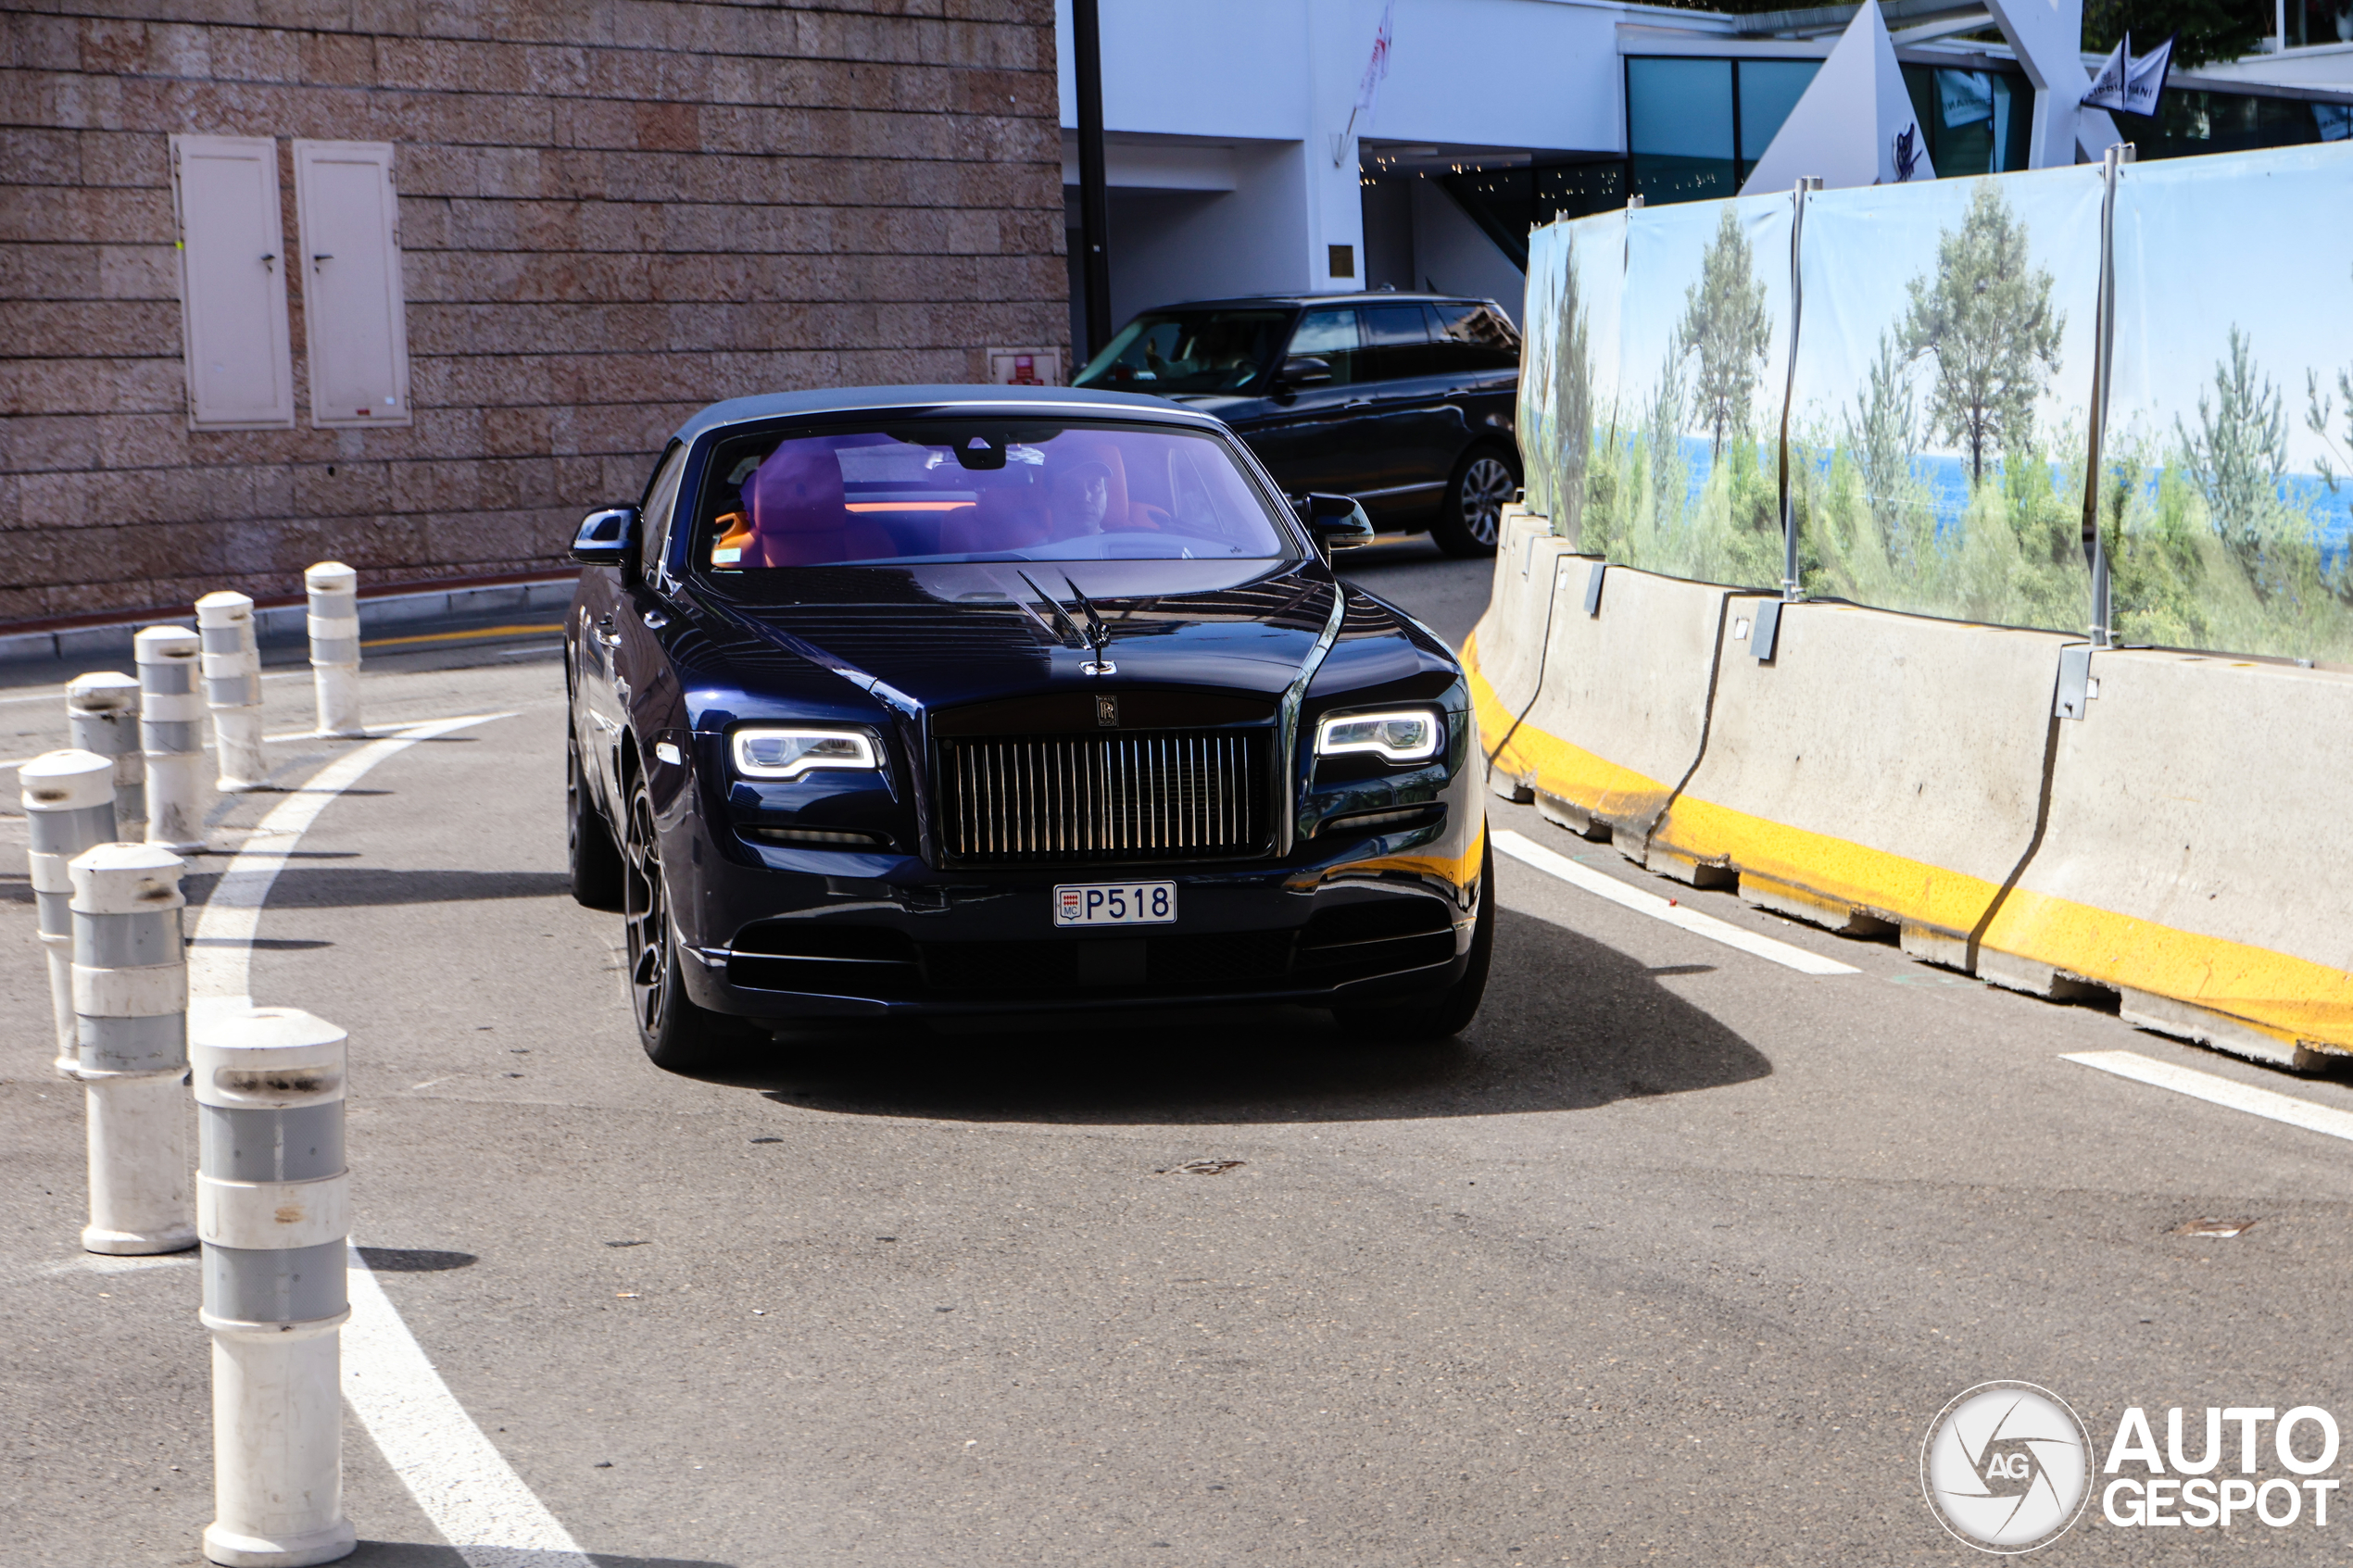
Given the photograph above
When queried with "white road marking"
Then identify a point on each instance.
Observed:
(221, 962)
(2217, 1090)
(1604, 885)
(458, 1476)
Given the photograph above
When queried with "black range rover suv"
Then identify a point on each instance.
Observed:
(1404, 401)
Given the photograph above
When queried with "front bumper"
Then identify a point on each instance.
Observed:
(817, 936)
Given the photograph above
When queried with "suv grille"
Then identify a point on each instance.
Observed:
(1161, 795)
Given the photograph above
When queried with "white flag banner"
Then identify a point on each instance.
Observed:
(1368, 90)
(2144, 79)
(2129, 83)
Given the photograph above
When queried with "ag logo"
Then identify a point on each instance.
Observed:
(2007, 1467)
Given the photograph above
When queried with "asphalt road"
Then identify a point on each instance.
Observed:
(1672, 1257)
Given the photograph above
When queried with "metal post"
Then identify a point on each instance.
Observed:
(335, 645)
(102, 715)
(273, 1207)
(232, 688)
(171, 721)
(2103, 629)
(1791, 589)
(131, 1011)
(69, 809)
(1094, 201)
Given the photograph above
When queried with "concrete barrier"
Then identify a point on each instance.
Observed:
(1505, 654)
(1880, 774)
(2197, 859)
(1623, 712)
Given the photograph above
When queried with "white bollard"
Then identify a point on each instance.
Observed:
(233, 688)
(131, 1008)
(273, 1206)
(172, 734)
(335, 645)
(102, 715)
(69, 808)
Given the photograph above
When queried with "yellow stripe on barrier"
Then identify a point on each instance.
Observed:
(2289, 998)
(1827, 872)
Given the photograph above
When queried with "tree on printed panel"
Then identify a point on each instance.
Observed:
(1986, 319)
(1726, 327)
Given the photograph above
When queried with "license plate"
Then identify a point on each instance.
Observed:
(1115, 903)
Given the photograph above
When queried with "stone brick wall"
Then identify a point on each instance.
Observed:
(612, 212)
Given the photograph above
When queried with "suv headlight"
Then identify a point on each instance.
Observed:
(1408, 734)
(780, 751)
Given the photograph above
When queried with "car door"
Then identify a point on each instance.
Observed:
(1412, 428)
(609, 677)
(1479, 355)
(1304, 438)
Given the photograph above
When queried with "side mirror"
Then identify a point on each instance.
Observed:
(1336, 521)
(607, 538)
(1303, 369)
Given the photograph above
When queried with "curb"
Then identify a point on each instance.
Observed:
(285, 624)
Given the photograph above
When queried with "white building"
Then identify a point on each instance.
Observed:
(1239, 160)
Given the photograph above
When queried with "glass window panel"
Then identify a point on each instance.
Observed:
(1679, 128)
(1769, 89)
(1681, 108)
(1331, 336)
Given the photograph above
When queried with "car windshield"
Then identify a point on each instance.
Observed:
(1190, 351)
(978, 490)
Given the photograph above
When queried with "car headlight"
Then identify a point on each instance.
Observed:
(776, 751)
(1410, 734)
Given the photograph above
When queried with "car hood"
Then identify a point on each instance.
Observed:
(927, 637)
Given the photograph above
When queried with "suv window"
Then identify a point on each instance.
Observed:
(1187, 351)
(1473, 335)
(1399, 338)
(1332, 336)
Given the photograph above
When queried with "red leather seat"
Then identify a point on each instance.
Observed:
(800, 514)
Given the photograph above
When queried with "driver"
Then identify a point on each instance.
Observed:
(1082, 494)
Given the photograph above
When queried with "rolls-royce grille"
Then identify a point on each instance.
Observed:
(1157, 795)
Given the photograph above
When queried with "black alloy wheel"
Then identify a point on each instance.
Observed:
(590, 853)
(1473, 511)
(1450, 1012)
(677, 1035)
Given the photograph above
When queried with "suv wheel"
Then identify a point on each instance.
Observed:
(1473, 511)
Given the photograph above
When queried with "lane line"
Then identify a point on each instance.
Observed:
(1602, 884)
(2217, 1090)
(221, 962)
(458, 1476)
(465, 1486)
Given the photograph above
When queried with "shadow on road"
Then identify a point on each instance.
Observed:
(1568, 1025)
(319, 887)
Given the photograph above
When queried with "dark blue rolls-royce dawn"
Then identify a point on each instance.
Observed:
(949, 700)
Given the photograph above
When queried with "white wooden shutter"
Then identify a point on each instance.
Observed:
(233, 283)
(353, 307)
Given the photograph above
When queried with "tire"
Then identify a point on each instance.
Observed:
(1473, 511)
(1450, 1012)
(677, 1035)
(589, 850)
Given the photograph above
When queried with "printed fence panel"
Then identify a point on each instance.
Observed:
(1943, 394)
(1683, 479)
(2228, 469)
